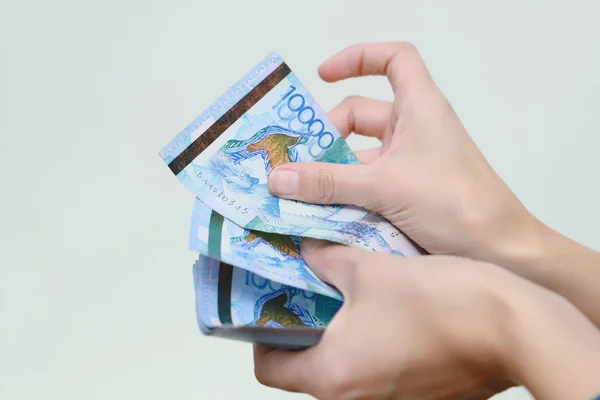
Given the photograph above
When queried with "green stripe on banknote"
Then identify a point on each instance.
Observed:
(215, 230)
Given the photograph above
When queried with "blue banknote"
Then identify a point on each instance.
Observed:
(267, 119)
(270, 255)
(228, 297)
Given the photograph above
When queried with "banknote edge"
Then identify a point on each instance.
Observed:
(282, 338)
(197, 275)
(218, 107)
(199, 246)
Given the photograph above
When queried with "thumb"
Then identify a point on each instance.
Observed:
(325, 183)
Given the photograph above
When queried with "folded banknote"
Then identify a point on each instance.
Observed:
(270, 255)
(237, 304)
(267, 119)
(251, 281)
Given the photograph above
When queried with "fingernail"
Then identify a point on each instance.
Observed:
(283, 182)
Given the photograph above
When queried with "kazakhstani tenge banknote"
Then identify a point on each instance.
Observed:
(228, 297)
(266, 119)
(206, 281)
(270, 255)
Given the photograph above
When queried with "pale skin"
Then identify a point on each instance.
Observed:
(436, 327)
(430, 180)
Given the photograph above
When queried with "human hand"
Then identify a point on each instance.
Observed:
(428, 178)
(435, 328)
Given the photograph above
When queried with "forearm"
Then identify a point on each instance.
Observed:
(556, 352)
(544, 256)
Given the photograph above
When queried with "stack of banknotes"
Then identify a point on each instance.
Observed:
(250, 279)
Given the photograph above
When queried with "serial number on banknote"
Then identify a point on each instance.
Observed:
(221, 196)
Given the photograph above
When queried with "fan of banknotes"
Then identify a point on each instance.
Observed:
(250, 279)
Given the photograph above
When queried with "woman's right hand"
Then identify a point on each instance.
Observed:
(436, 328)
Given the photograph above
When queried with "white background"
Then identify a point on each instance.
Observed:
(96, 298)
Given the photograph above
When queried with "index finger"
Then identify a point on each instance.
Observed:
(400, 62)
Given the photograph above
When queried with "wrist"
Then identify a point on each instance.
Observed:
(487, 341)
(500, 229)
(518, 247)
(522, 244)
(544, 256)
(549, 346)
(506, 233)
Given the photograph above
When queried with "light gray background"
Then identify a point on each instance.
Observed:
(96, 297)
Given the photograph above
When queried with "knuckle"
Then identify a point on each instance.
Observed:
(349, 106)
(325, 187)
(408, 54)
(352, 101)
(406, 47)
(405, 52)
(361, 62)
